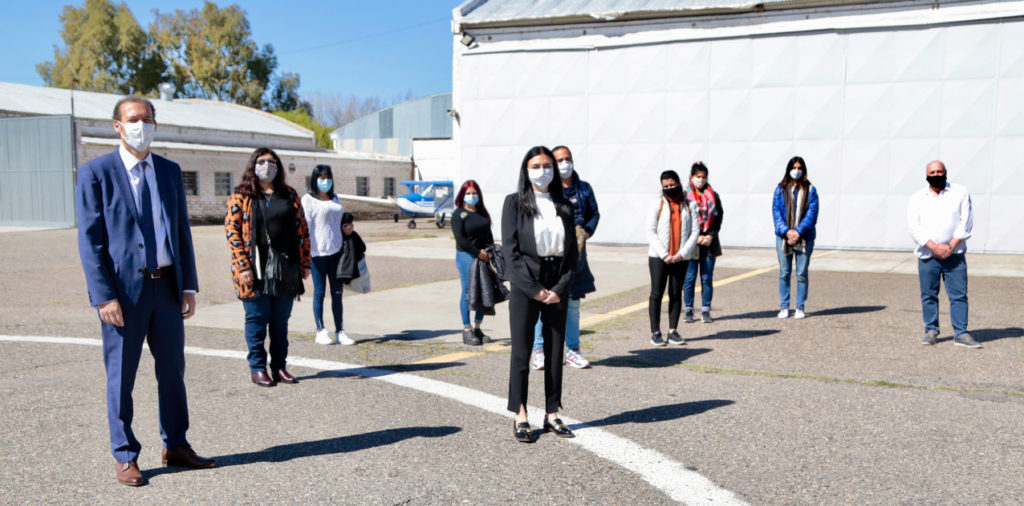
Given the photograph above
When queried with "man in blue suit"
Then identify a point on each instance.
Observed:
(136, 249)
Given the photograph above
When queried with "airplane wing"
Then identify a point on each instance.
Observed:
(376, 201)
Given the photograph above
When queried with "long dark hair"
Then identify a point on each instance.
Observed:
(250, 184)
(803, 181)
(480, 209)
(320, 171)
(527, 201)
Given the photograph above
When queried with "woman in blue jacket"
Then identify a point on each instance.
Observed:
(795, 210)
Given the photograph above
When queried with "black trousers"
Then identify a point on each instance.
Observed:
(675, 274)
(523, 312)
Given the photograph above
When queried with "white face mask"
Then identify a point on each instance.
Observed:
(796, 174)
(138, 135)
(541, 178)
(564, 169)
(698, 182)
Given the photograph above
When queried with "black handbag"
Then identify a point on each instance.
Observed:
(282, 277)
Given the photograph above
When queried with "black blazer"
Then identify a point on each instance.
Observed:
(522, 264)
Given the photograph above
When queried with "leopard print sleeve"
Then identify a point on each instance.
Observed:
(238, 230)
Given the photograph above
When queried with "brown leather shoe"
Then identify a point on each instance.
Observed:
(262, 379)
(283, 376)
(185, 456)
(128, 473)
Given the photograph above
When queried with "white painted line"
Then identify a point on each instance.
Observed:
(665, 474)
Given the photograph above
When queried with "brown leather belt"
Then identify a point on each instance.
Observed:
(157, 274)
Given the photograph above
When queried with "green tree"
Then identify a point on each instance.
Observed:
(210, 54)
(301, 117)
(104, 50)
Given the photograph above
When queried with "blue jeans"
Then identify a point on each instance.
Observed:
(954, 271)
(803, 259)
(463, 262)
(706, 264)
(572, 328)
(260, 313)
(326, 267)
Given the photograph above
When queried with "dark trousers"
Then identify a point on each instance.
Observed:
(260, 313)
(323, 273)
(675, 275)
(523, 312)
(156, 320)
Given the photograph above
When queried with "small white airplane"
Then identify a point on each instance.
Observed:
(425, 199)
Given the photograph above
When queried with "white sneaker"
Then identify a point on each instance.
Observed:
(784, 313)
(537, 362)
(323, 337)
(344, 340)
(574, 359)
(799, 314)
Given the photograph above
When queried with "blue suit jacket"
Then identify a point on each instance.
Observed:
(109, 237)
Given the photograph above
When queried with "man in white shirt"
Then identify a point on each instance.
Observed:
(940, 220)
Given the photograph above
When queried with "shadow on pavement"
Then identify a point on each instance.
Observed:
(848, 310)
(994, 334)
(754, 314)
(380, 370)
(342, 444)
(412, 335)
(659, 413)
(652, 357)
(736, 334)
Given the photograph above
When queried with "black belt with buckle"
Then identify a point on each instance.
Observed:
(157, 274)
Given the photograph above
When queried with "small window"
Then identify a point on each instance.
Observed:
(191, 182)
(362, 186)
(389, 187)
(222, 183)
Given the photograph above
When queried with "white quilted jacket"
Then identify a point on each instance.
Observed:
(657, 227)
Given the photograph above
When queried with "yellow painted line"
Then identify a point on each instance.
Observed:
(639, 306)
(451, 357)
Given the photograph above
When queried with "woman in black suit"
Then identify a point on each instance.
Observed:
(539, 244)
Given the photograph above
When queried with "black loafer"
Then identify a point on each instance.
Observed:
(522, 432)
(559, 428)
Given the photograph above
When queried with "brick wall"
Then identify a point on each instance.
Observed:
(208, 207)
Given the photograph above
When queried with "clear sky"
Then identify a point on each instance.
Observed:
(363, 48)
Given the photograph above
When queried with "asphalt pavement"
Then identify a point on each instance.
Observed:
(844, 407)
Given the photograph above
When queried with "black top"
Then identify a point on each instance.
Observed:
(518, 245)
(472, 231)
(280, 222)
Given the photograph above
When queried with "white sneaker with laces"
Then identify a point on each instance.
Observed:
(324, 337)
(799, 314)
(574, 359)
(784, 313)
(344, 340)
(537, 362)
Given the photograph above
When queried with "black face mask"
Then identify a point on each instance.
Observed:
(673, 193)
(937, 182)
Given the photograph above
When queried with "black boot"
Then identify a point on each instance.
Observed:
(468, 337)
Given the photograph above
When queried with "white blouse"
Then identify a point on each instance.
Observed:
(323, 217)
(548, 230)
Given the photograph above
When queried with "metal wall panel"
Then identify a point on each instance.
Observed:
(867, 109)
(37, 186)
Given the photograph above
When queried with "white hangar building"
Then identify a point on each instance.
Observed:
(866, 91)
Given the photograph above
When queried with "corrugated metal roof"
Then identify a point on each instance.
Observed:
(531, 12)
(194, 113)
(419, 118)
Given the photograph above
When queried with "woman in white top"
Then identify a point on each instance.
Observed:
(672, 230)
(323, 215)
(539, 245)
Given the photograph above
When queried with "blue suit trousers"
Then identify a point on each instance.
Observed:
(154, 319)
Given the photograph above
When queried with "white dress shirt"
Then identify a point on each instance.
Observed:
(163, 250)
(940, 218)
(548, 230)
